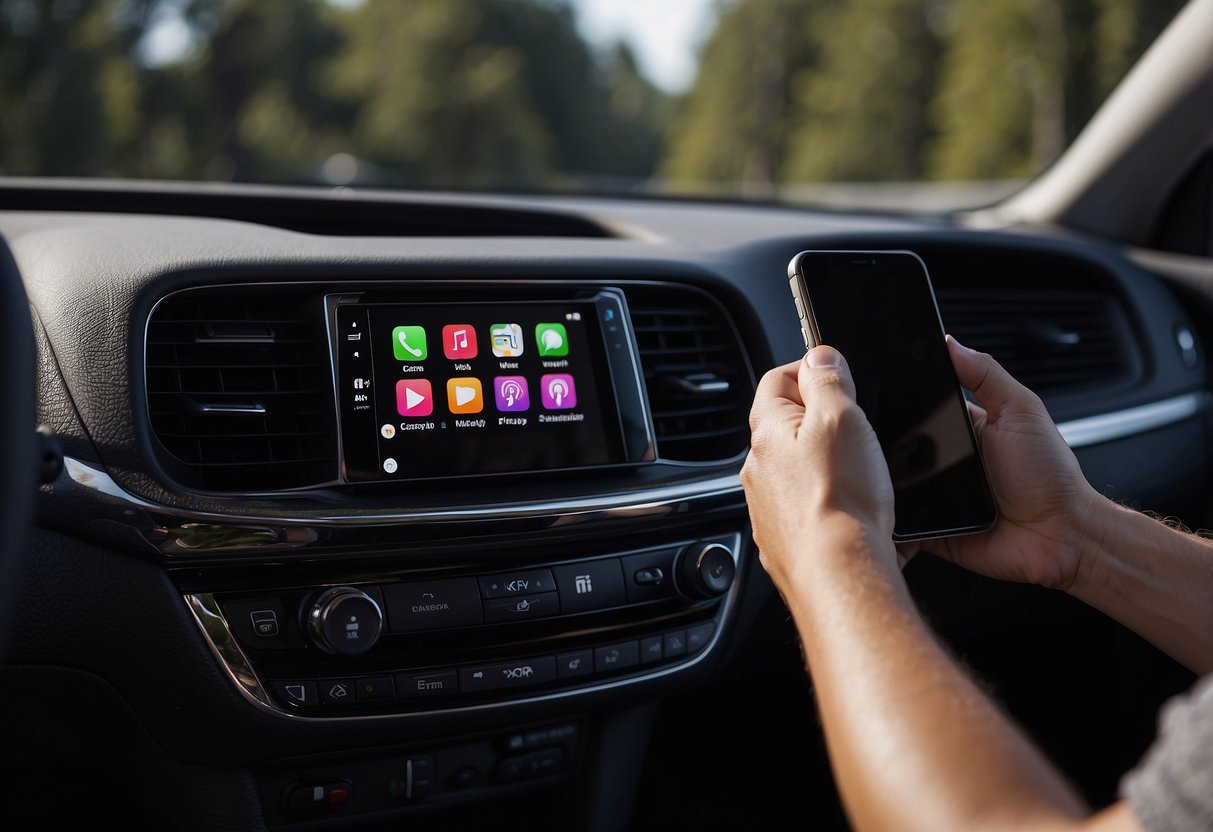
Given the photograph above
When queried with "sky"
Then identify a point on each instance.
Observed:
(664, 34)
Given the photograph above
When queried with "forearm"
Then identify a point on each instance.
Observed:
(915, 744)
(1155, 580)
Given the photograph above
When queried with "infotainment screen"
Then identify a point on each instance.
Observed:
(432, 389)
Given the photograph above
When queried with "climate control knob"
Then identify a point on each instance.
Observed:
(704, 570)
(344, 620)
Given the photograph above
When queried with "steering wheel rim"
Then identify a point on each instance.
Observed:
(18, 479)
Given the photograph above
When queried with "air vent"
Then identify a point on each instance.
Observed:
(1049, 340)
(699, 382)
(239, 389)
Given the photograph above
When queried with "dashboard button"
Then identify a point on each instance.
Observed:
(699, 635)
(650, 575)
(430, 605)
(650, 649)
(615, 657)
(675, 644)
(523, 582)
(438, 683)
(521, 608)
(261, 624)
(374, 689)
(516, 674)
(592, 585)
(297, 693)
(336, 691)
(575, 664)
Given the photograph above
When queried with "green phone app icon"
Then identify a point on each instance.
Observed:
(552, 339)
(408, 343)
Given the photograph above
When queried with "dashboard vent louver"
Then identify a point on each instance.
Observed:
(698, 379)
(1051, 340)
(239, 389)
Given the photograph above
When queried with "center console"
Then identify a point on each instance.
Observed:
(484, 514)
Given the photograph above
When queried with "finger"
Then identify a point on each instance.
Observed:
(824, 369)
(777, 398)
(993, 386)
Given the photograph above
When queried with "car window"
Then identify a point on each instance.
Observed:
(924, 103)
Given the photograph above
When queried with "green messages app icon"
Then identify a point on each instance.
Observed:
(408, 343)
(552, 340)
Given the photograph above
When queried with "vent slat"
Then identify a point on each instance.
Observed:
(195, 357)
(1020, 328)
(682, 332)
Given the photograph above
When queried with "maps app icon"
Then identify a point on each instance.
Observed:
(507, 340)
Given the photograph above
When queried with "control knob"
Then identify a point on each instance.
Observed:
(704, 570)
(344, 620)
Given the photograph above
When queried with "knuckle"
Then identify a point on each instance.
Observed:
(747, 471)
(838, 419)
(830, 378)
(760, 440)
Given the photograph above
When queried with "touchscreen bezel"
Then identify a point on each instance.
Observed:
(624, 402)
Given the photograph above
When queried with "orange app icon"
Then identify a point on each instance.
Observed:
(464, 395)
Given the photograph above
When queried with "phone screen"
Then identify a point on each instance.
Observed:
(878, 309)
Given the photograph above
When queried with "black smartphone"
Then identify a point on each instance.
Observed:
(878, 309)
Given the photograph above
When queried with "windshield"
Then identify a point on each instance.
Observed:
(924, 103)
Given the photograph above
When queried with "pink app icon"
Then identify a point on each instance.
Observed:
(459, 341)
(414, 397)
(511, 393)
(558, 391)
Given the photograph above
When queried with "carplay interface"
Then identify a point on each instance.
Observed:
(434, 390)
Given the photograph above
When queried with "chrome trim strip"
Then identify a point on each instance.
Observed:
(229, 408)
(1092, 430)
(231, 658)
(94, 478)
(177, 531)
(223, 644)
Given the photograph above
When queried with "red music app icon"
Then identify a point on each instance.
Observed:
(459, 341)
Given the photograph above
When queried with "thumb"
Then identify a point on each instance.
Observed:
(992, 385)
(824, 368)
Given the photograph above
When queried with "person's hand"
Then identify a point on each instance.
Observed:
(815, 466)
(1044, 502)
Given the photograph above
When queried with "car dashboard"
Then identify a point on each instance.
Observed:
(280, 582)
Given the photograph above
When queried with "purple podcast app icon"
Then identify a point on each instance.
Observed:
(558, 391)
(511, 393)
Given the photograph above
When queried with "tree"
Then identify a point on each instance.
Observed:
(731, 126)
(859, 112)
(70, 99)
(1020, 78)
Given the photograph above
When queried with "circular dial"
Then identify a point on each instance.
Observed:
(345, 620)
(705, 570)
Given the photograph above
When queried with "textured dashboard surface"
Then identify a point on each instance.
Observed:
(93, 279)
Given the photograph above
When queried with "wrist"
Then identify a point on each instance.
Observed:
(1102, 524)
(841, 543)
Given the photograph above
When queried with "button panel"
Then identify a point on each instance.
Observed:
(532, 672)
(444, 641)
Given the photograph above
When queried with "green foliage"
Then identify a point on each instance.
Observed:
(860, 109)
(732, 125)
(480, 93)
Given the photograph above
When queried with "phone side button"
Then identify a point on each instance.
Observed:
(799, 308)
(804, 333)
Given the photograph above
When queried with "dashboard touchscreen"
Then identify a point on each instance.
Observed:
(453, 389)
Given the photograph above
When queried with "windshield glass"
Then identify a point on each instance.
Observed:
(913, 103)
